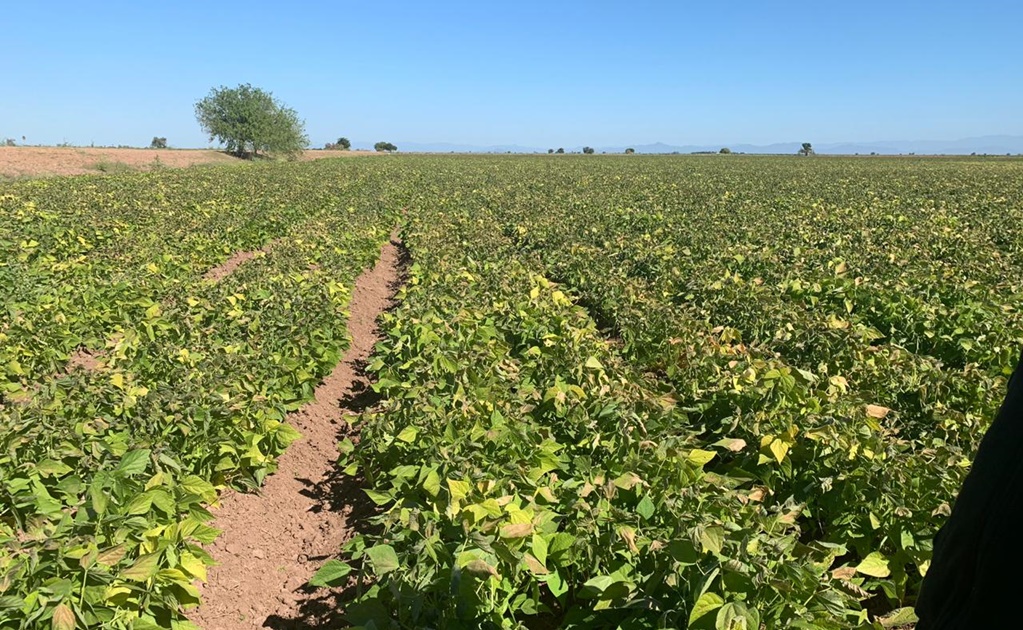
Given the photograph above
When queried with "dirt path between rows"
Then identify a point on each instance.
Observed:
(274, 541)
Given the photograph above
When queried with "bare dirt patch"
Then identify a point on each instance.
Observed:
(24, 162)
(43, 161)
(82, 359)
(275, 540)
(226, 268)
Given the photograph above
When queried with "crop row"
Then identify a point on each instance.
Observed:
(830, 339)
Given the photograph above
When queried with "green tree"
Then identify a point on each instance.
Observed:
(806, 149)
(560, 150)
(549, 151)
(629, 151)
(158, 143)
(384, 146)
(248, 120)
(725, 151)
(588, 150)
(343, 143)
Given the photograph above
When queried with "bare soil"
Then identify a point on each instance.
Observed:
(82, 359)
(226, 268)
(274, 541)
(24, 162)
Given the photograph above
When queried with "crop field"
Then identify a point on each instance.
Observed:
(727, 392)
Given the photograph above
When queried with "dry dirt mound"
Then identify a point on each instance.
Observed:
(274, 541)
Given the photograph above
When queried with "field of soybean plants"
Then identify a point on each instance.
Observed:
(616, 392)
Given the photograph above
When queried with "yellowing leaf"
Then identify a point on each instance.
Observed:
(408, 434)
(700, 457)
(458, 489)
(628, 481)
(874, 565)
(779, 448)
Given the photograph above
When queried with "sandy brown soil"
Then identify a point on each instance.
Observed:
(274, 541)
(226, 268)
(18, 162)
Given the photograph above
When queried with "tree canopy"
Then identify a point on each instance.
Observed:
(385, 146)
(248, 120)
(342, 144)
(806, 149)
(588, 150)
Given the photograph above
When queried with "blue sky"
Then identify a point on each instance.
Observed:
(550, 73)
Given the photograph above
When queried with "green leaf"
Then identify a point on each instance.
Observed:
(143, 568)
(332, 573)
(408, 434)
(736, 616)
(139, 504)
(380, 498)
(384, 559)
(705, 605)
(539, 547)
(432, 483)
(134, 462)
(198, 486)
(645, 508)
(899, 617)
(712, 539)
(874, 565)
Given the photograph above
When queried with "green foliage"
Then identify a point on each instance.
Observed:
(789, 377)
(158, 143)
(588, 150)
(106, 472)
(806, 149)
(725, 151)
(629, 151)
(384, 146)
(616, 393)
(247, 120)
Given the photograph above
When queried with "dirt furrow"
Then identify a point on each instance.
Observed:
(274, 541)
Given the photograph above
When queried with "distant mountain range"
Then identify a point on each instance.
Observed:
(992, 145)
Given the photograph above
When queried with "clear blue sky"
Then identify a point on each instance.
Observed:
(544, 73)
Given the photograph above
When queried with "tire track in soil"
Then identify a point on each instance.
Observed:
(273, 541)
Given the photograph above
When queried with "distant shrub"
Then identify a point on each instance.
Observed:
(158, 143)
(384, 146)
(588, 150)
